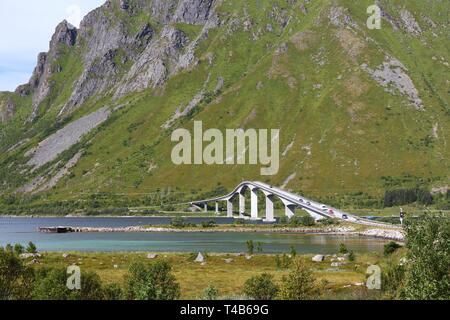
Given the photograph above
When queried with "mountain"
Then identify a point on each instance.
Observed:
(359, 110)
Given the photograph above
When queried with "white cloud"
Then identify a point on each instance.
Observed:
(26, 28)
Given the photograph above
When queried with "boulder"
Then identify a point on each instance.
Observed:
(228, 260)
(65, 255)
(248, 257)
(318, 258)
(152, 256)
(29, 255)
(200, 258)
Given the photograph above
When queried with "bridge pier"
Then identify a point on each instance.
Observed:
(205, 207)
(229, 208)
(289, 208)
(254, 204)
(270, 216)
(217, 207)
(241, 203)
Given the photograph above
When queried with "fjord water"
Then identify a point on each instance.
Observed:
(22, 230)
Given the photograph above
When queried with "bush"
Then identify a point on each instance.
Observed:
(211, 293)
(343, 249)
(112, 292)
(308, 221)
(391, 247)
(392, 278)
(31, 248)
(209, 224)
(283, 262)
(51, 284)
(250, 247)
(153, 282)
(18, 249)
(261, 287)
(299, 284)
(178, 222)
(16, 279)
(427, 275)
(351, 256)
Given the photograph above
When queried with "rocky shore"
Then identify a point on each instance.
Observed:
(389, 234)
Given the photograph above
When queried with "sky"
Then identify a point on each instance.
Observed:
(26, 27)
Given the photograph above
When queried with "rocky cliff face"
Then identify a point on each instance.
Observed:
(39, 85)
(152, 54)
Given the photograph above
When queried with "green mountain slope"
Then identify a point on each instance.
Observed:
(359, 110)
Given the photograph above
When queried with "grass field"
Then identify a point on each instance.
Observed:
(228, 278)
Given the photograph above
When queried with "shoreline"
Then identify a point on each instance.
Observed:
(377, 233)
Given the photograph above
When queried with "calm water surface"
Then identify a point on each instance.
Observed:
(22, 230)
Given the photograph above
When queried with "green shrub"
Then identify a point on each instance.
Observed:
(112, 291)
(209, 224)
(351, 256)
(178, 222)
(343, 249)
(153, 282)
(283, 262)
(299, 284)
(391, 247)
(308, 221)
(211, 293)
(392, 278)
(427, 275)
(16, 279)
(31, 248)
(250, 247)
(261, 287)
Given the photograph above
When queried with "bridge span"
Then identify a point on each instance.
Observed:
(290, 200)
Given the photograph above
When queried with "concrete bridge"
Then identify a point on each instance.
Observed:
(291, 202)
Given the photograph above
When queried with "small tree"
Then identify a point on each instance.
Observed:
(211, 293)
(308, 221)
(259, 247)
(250, 247)
(31, 248)
(261, 287)
(18, 249)
(153, 282)
(351, 256)
(16, 279)
(299, 284)
(112, 291)
(51, 284)
(293, 252)
(391, 247)
(343, 249)
(427, 273)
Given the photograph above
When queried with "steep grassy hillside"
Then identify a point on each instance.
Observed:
(359, 110)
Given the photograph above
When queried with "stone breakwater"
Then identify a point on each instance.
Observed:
(390, 234)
